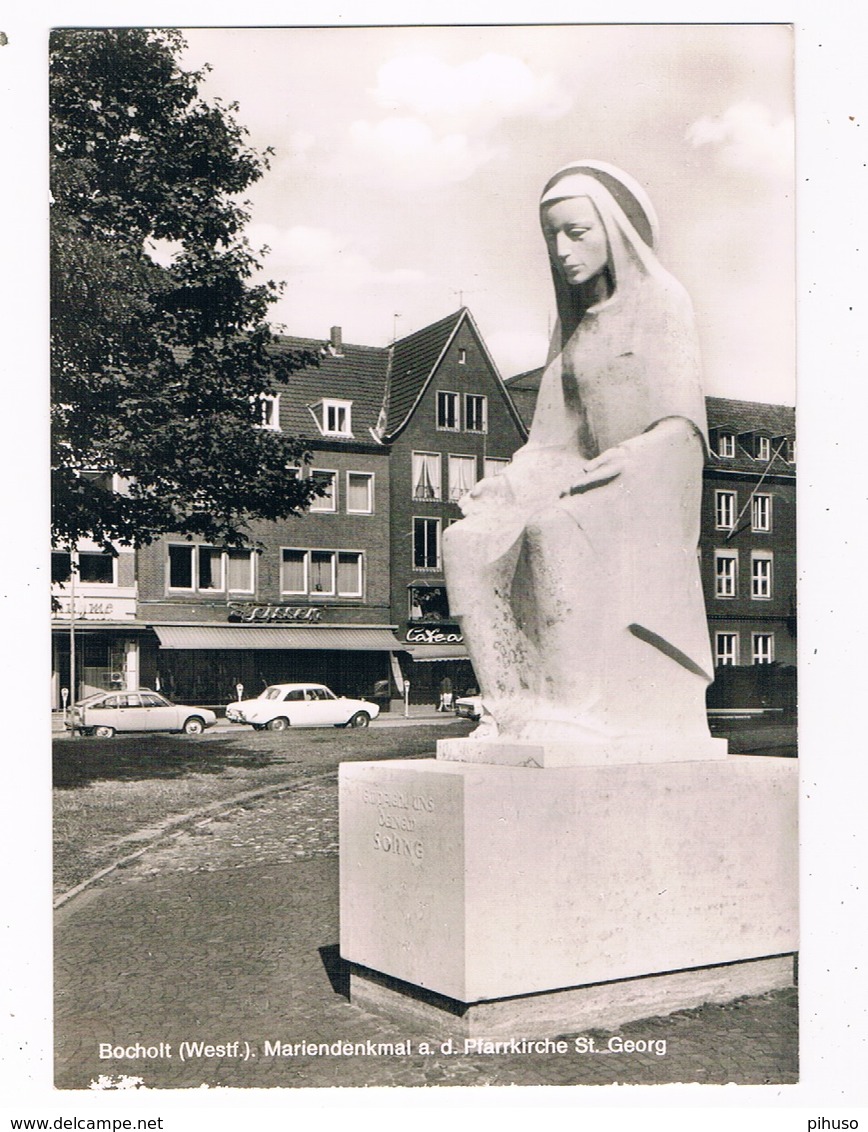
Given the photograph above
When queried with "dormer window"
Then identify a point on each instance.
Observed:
(335, 417)
(268, 410)
(763, 448)
(726, 444)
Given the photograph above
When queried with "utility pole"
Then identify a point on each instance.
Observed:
(72, 696)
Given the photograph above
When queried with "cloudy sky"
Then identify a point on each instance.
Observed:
(409, 162)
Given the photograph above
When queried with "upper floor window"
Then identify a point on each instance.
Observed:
(426, 544)
(336, 418)
(462, 356)
(426, 475)
(328, 480)
(475, 412)
(207, 569)
(494, 465)
(268, 410)
(462, 476)
(761, 512)
(726, 444)
(447, 410)
(763, 448)
(725, 503)
(761, 574)
(726, 648)
(93, 568)
(725, 573)
(428, 603)
(763, 648)
(322, 573)
(360, 493)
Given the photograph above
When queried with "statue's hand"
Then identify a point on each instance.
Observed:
(492, 490)
(603, 468)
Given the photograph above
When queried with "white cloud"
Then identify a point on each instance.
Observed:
(405, 152)
(319, 253)
(746, 137)
(491, 86)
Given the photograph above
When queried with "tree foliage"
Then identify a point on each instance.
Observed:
(157, 367)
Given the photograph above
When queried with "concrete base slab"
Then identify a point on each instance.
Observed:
(482, 882)
(552, 753)
(600, 1006)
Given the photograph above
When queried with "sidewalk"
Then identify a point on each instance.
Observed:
(229, 933)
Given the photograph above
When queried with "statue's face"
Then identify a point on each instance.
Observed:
(576, 239)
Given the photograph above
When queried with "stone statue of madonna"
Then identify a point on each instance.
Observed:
(574, 572)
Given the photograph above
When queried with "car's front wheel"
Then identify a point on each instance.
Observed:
(103, 732)
(360, 719)
(279, 724)
(194, 726)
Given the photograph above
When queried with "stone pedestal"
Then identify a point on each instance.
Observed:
(480, 883)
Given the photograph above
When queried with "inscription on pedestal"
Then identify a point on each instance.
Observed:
(398, 821)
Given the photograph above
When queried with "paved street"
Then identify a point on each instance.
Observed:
(228, 932)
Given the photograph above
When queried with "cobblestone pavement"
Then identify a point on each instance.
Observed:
(228, 933)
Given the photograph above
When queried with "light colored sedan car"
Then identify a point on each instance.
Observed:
(301, 705)
(107, 712)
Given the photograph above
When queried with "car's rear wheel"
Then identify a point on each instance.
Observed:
(103, 732)
(194, 726)
(360, 719)
(279, 724)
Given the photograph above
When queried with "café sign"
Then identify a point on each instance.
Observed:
(420, 636)
(248, 611)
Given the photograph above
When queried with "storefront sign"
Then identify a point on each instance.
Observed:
(249, 611)
(433, 637)
(94, 609)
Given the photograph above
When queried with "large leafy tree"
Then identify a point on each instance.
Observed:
(161, 351)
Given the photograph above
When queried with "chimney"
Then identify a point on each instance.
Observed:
(336, 341)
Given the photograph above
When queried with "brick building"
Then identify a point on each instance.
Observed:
(352, 592)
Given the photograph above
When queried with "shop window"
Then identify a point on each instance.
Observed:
(329, 481)
(763, 648)
(475, 413)
(428, 603)
(725, 503)
(761, 513)
(447, 410)
(426, 475)
(462, 476)
(725, 574)
(726, 649)
(761, 574)
(360, 493)
(426, 544)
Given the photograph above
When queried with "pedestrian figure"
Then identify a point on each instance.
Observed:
(445, 695)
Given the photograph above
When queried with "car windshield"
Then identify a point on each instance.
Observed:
(271, 694)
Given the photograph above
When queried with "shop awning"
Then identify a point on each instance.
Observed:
(423, 654)
(345, 638)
